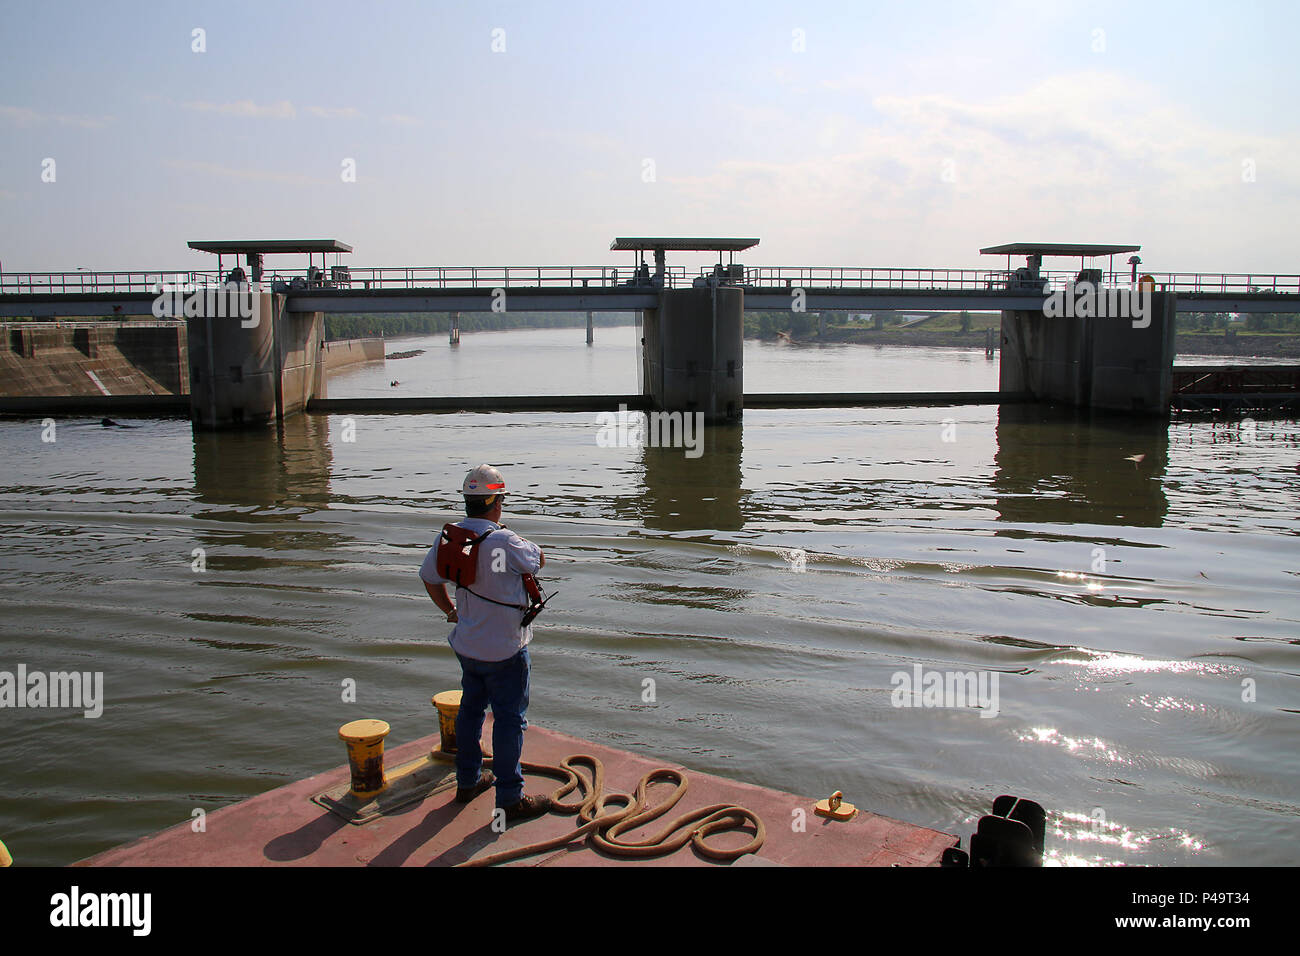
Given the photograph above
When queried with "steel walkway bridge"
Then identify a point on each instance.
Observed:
(612, 289)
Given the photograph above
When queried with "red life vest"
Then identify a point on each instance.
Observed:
(457, 558)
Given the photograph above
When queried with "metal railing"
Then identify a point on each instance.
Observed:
(499, 277)
(768, 278)
(980, 280)
(1234, 283)
(81, 282)
(846, 277)
(402, 277)
(45, 325)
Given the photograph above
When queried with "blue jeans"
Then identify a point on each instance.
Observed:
(504, 685)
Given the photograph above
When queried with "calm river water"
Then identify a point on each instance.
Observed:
(1135, 622)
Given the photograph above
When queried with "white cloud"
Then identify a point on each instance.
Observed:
(1082, 157)
(254, 175)
(22, 116)
(333, 112)
(282, 109)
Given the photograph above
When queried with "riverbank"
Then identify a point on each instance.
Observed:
(1185, 343)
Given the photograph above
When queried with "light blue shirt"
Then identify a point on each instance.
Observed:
(487, 631)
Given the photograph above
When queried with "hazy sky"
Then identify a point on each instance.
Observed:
(856, 134)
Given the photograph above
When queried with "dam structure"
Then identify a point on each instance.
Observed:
(255, 350)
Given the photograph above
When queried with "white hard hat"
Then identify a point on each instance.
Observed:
(483, 482)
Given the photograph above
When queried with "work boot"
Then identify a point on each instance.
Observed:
(535, 805)
(466, 794)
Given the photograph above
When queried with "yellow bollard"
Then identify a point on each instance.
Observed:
(448, 704)
(5, 858)
(365, 740)
(835, 807)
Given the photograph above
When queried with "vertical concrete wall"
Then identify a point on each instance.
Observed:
(249, 372)
(1091, 362)
(86, 341)
(233, 368)
(341, 353)
(693, 357)
(23, 342)
(300, 337)
(651, 373)
(1132, 368)
(319, 387)
(1046, 358)
(115, 358)
(160, 353)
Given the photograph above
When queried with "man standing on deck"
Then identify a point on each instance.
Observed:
(490, 644)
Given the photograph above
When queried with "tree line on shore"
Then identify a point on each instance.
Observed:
(800, 326)
(391, 324)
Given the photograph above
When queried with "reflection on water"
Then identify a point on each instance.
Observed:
(772, 588)
(1065, 465)
(289, 464)
(555, 362)
(682, 494)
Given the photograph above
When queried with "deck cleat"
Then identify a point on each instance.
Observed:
(448, 705)
(835, 808)
(371, 792)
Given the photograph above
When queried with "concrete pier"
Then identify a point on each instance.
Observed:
(1109, 362)
(252, 371)
(693, 353)
(232, 369)
(300, 341)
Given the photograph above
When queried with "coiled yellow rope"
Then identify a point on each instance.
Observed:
(605, 824)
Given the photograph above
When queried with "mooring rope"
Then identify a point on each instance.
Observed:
(604, 824)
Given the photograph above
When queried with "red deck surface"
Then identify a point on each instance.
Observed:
(284, 828)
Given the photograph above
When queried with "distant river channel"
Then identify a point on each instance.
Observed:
(1121, 596)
